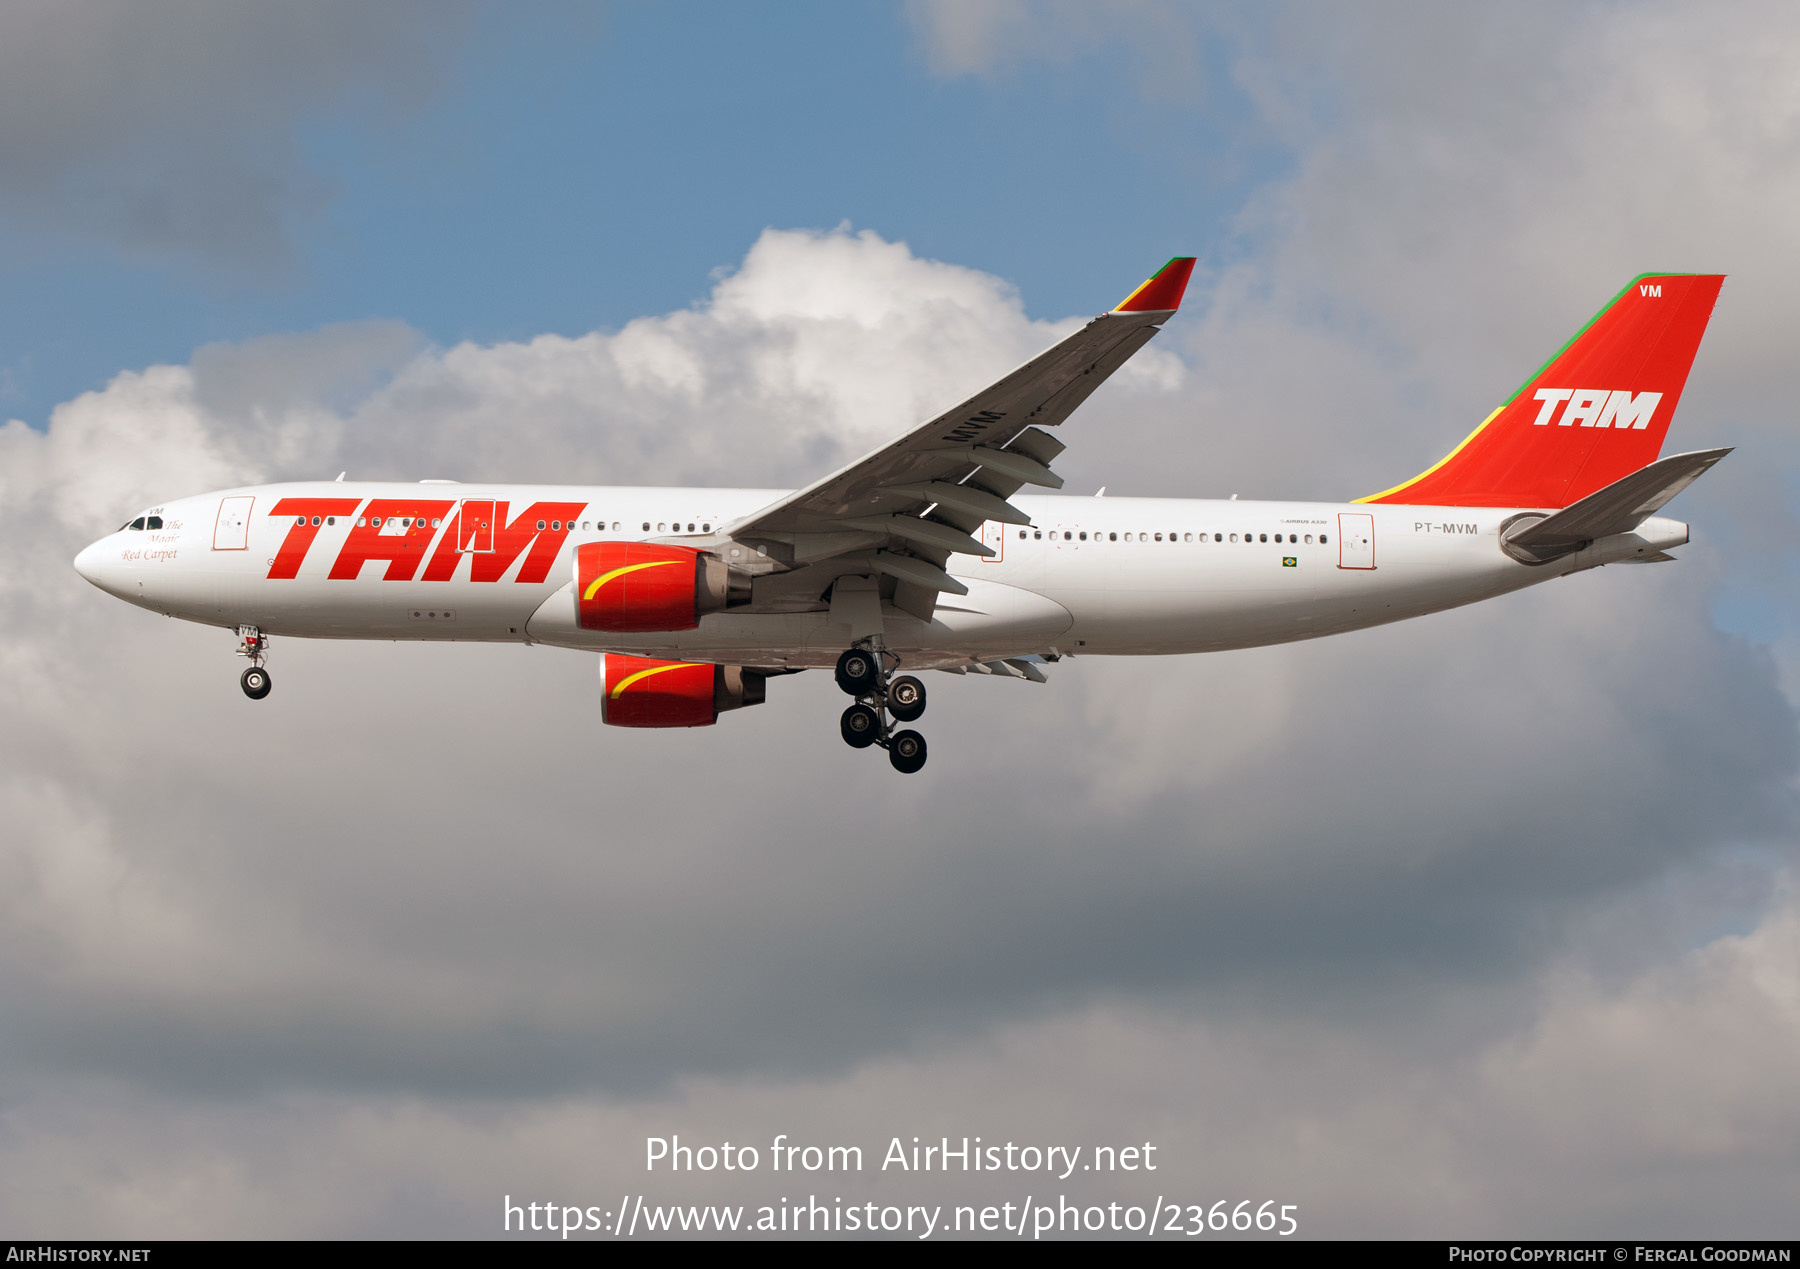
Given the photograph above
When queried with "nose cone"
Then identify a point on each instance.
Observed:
(93, 561)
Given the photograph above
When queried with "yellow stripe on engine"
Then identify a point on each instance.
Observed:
(604, 578)
(655, 669)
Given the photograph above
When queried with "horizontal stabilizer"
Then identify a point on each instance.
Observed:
(1619, 508)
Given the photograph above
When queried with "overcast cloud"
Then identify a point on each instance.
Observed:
(1481, 924)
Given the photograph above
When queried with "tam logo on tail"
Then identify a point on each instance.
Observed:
(1549, 445)
(1597, 408)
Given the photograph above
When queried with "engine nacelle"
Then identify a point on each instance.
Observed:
(633, 587)
(641, 692)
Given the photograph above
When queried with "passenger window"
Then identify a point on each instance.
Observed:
(1067, 536)
(646, 526)
(661, 526)
(541, 526)
(1113, 537)
(706, 528)
(1187, 537)
(302, 518)
(1309, 539)
(1323, 539)
(1218, 537)
(1083, 537)
(330, 520)
(1037, 534)
(1022, 535)
(298, 521)
(1265, 537)
(361, 522)
(690, 528)
(1159, 537)
(1234, 537)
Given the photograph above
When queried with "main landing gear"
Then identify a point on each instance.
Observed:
(863, 673)
(253, 643)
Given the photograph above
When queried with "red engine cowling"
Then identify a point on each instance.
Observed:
(641, 692)
(631, 587)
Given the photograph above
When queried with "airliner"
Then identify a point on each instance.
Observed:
(925, 555)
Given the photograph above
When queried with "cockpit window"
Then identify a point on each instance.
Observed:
(136, 524)
(154, 522)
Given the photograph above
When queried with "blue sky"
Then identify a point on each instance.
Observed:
(587, 165)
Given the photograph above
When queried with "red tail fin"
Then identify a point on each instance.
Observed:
(1595, 413)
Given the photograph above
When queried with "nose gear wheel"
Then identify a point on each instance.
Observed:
(253, 643)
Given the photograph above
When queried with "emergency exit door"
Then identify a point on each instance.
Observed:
(475, 527)
(1356, 539)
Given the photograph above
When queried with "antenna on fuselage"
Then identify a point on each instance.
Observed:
(340, 478)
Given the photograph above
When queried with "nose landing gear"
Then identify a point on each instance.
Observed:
(253, 643)
(863, 673)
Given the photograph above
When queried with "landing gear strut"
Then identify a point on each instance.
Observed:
(863, 673)
(253, 643)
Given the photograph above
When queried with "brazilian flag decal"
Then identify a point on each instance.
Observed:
(1290, 561)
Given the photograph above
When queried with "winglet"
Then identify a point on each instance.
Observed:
(1162, 292)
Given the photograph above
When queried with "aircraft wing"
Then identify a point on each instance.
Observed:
(903, 510)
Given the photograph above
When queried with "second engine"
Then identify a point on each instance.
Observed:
(642, 692)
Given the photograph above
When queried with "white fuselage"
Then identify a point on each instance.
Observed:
(1097, 576)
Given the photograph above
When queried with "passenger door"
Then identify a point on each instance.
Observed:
(231, 531)
(1356, 539)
